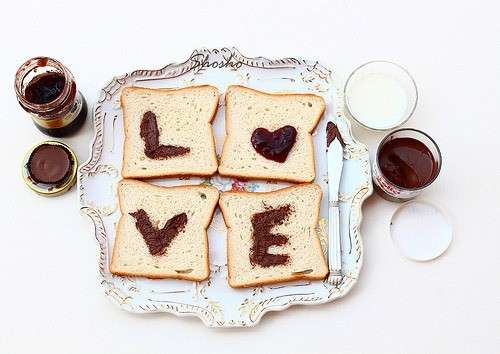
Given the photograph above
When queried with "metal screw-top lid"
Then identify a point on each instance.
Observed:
(49, 168)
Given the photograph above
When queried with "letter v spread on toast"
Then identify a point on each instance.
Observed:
(162, 231)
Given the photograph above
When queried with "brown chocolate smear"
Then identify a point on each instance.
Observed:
(274, 145)
(158, 240)
(262, 224)
(332, 133)
(49, 164)
(151, 136)
(43, 61)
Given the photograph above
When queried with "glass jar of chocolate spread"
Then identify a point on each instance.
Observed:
(407, 162)
(47, 90)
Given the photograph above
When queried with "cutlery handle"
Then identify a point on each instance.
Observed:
(334, 256)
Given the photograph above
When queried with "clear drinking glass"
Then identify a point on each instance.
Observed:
(389, 190)
(380, 95)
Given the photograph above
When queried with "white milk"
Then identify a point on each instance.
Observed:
(378, 101)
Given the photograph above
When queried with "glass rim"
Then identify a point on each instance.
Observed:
(400, 123)
(29, 65)
(440, 156)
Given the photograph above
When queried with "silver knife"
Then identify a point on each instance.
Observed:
(334, 154)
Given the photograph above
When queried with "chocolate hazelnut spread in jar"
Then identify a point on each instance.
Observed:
(407, 162)
(46, 89)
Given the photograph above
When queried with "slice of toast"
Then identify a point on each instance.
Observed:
(272, 237)
(248, 110)
(162, 232)
(168, 132)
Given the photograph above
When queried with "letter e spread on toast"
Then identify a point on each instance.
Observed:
(272, 236)
(263, 238)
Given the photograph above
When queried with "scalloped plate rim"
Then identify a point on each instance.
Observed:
(87, 210)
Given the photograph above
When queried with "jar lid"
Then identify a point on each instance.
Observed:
(421, 231)
(49, 168)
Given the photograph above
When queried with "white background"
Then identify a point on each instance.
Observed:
(50, 298)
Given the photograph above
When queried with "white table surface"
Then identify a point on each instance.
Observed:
(50, 298)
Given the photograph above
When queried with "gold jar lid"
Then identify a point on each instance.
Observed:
(48, 172)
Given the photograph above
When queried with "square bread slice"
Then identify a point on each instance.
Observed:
(184, 139)
(272, 237)
(181, 214)
(247, 110)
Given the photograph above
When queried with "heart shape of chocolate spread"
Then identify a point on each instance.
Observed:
(274, 145)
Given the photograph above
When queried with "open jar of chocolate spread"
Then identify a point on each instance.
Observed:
(407, 162)
(47, 90)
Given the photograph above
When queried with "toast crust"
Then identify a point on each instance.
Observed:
(255, 174)
(291, 277)
(142, 175)
(206, 273)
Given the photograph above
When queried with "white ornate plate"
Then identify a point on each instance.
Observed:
(213, 301)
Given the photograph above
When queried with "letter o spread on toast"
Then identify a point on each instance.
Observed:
(289, 235)
(274, 145)
(269, 135)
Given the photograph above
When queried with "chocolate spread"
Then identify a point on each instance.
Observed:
(274, 145)
(158, 240)
(407, 162)
(332, 133)
(49, 164)
(262, 224)
(150, 134)
(45, 88)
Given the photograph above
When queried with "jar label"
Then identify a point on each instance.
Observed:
(389, 188)
(62, 121)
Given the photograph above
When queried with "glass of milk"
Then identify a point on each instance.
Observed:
(380, 95)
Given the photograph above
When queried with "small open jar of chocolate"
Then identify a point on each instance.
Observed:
(47, 90)
(407, 162)
(49, 168)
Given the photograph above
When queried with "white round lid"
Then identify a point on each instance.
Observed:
(421, 231)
